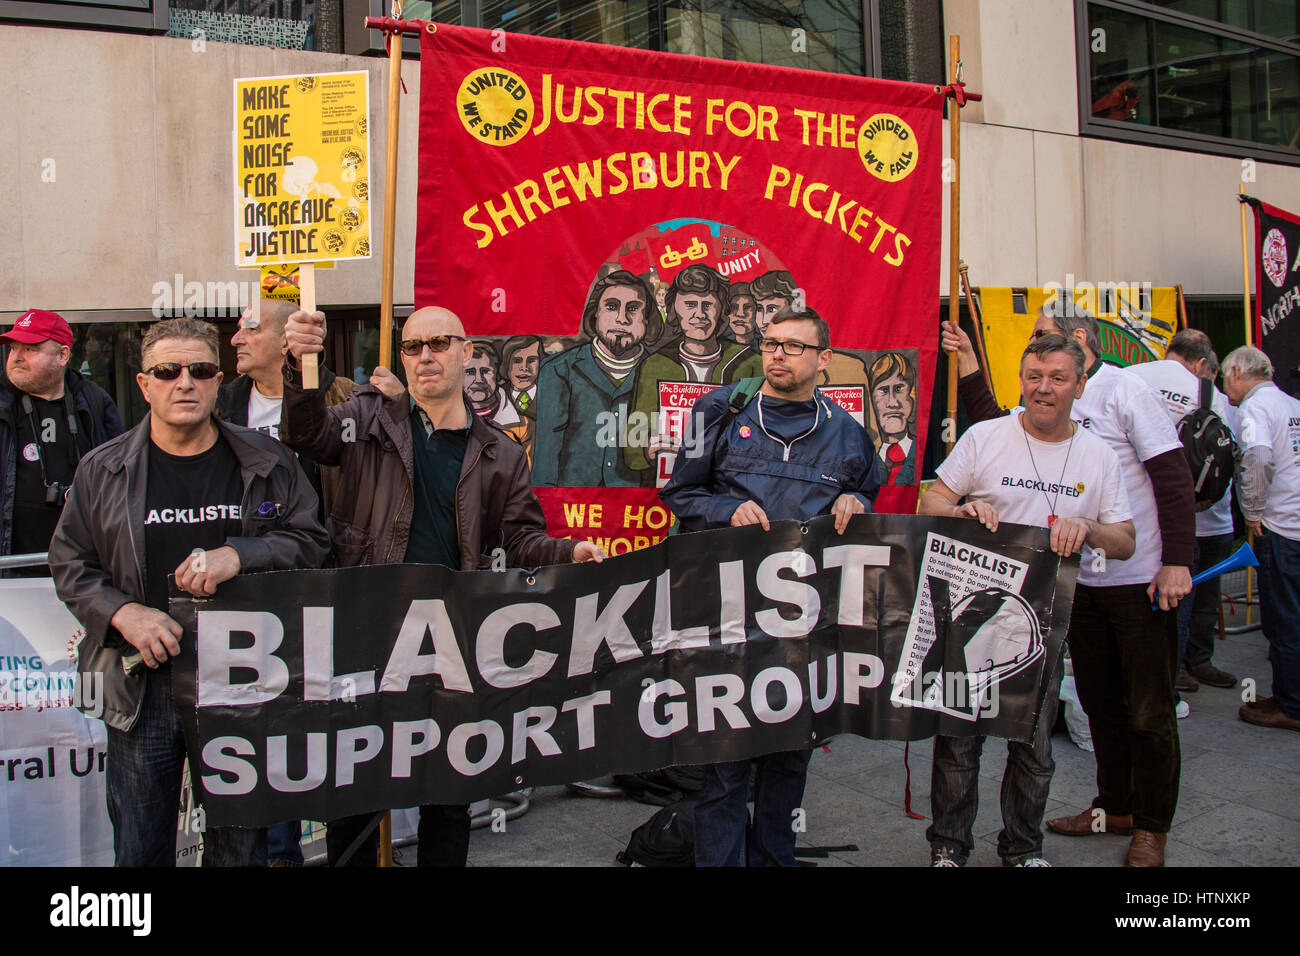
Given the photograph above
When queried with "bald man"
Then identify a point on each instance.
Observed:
(435, 484)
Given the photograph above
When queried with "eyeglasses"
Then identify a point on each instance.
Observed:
(1039, 333)
(789, 348)
(170, 371)
(438, 343)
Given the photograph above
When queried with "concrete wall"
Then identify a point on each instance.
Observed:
(138, 130)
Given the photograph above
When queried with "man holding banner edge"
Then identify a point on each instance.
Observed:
(1086, 503)
(747, 467)
(430, 483)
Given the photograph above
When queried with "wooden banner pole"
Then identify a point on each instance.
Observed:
(977, 323)
(307, 302)
(1245, 266)
(390, 209)
(954, 237)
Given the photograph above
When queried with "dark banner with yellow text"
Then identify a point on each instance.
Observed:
(617, 228)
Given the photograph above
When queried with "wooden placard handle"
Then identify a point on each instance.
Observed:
(307, 302)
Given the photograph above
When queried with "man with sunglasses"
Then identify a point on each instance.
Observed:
(432, 483)
(789, 453)
(182, 493)
(50, 416)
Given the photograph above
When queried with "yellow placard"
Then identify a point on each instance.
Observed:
(280, 281)
(302, 168)
(1136, 323)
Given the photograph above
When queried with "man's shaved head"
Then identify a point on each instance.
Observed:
(432, 320)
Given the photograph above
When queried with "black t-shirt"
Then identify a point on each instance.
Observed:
(191, 502)
(44, 439)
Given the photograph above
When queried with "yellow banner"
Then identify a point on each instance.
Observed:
(302, 168)
(1136, 323)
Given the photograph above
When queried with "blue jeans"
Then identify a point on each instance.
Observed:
(1198, 613)
(143, 785)
(280, 842)
(721, 813)
(1279, 615)
(954, 788)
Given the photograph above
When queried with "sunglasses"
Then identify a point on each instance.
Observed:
(170, 371)
(439, 343)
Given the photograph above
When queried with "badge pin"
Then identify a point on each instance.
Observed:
(30, 452)
(745, 431)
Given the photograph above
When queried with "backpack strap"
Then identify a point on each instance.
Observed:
(1207, 394)
(741, 396)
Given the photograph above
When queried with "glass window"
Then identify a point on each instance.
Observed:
(286, 24)
(819, 35)
(1191, 80)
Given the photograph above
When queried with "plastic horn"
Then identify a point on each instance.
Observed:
(1244, 558)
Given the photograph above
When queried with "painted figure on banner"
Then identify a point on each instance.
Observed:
(740, 313)
(521, 356)
(772, 292)
(579, 388)
(697, 302)
(489, 400)
(891, 381)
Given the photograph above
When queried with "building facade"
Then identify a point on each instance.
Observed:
(1109, 144)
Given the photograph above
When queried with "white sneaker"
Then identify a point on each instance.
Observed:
(1034, 861)
(1182, 709)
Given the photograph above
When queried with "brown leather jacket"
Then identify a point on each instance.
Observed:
(369, 438)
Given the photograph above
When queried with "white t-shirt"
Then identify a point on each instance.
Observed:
(1028, 480)
(1269, 416)
(1181, 390)
(1130, 417)
(264, 413)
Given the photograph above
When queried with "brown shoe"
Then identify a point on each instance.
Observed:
(1209, 674)
(1262, 717)
(1185, 683)
(1266, 704)
(1146, 849)
(1091, 822)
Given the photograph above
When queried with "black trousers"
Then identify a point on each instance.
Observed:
(1125, 661)
(443, 837)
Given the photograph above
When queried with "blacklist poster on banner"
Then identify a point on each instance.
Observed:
(302, 168)
(300, 701)
(1277, 296)
(637, 218)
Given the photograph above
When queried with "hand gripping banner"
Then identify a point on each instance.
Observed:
(301, 701)
(618, 225)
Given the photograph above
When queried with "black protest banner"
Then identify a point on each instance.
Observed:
(320, 694)
(1277, 297)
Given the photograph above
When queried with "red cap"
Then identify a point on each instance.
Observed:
(37, 325)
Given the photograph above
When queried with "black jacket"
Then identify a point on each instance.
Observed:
(97, 422)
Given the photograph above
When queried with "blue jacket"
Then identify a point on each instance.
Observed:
(723, 464)
(96, 416)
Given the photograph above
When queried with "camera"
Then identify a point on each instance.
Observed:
(56, 493)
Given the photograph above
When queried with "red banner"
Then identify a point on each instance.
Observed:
(623, 218)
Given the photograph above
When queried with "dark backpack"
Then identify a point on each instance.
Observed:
(1211, 452)
(666, 839)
